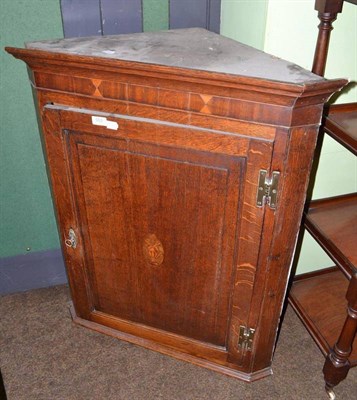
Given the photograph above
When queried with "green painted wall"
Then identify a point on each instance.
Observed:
(26, 213)
(245, 20)
(156, 15)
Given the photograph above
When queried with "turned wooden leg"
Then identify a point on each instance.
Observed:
(337, 365)
(328, 10)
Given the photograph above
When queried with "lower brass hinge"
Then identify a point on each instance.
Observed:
(246, 337)
(267, 189)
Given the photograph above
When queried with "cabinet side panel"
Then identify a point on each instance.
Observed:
(279, 155)
(295, 174)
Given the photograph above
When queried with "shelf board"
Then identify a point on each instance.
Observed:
(319, 300)
(341, 124)
(333, 224)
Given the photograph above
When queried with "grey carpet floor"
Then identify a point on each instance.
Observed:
(44, 356)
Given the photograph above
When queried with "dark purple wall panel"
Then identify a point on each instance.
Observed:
(32, 271)
(121, 16)
(188, 13)
(81, 18)
(214, 23)
(108, 17)
(195, 13)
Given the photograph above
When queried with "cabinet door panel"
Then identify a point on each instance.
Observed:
(157, 230)
(162, 225)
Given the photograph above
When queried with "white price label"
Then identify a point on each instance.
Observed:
(102, 121)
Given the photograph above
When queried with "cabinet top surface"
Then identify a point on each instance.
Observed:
(192, 48)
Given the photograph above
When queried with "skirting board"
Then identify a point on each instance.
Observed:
(32, 271)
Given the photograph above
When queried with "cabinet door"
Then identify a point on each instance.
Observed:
(160, 213)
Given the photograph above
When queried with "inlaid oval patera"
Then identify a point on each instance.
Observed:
(153, 250)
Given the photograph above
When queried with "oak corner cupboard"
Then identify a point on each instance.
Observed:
(179, 162)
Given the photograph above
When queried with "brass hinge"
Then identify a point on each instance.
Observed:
(246, 337)
(267, 189)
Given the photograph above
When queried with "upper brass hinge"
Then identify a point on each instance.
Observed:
(267, 189)
(246, 337)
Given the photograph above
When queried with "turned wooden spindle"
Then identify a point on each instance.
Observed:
(337, 364)
(327, 13)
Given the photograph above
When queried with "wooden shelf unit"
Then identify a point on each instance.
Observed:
(341, 124)
(324, 300)
(333, 224)
(319, 298)
(310, 291)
